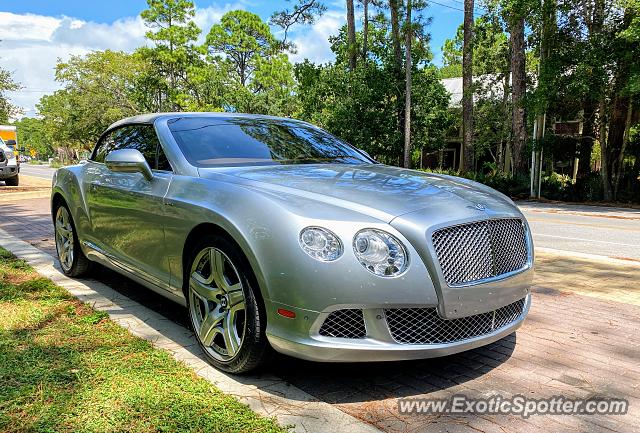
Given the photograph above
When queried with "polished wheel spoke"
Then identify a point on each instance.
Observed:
(217, 260)
(63, 230)
(236, 298)
(204, 290)
(209, 327)
(231, 339)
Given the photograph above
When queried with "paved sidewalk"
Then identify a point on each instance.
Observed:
(579, 341)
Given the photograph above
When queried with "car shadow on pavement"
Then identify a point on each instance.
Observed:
(337, 383)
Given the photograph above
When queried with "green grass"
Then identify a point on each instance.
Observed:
(65, 367)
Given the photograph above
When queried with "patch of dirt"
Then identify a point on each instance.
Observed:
(13, 189)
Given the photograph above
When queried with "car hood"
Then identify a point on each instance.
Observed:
(381, 191)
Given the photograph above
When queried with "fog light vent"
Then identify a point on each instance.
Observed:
(347, 323)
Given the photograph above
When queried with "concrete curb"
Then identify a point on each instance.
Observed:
(267, 395)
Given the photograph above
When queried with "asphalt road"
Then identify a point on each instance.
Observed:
(41, 171)
(606, 231)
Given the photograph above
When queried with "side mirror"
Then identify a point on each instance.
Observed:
(128, 161)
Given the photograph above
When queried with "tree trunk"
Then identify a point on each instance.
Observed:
(365, 30)
(619, 123)
(407, 108)
(467, 88)
(504, 142)
(518, 78)
(351, 34)
(395, 33)
(587, 138)
(590, 104)
(394, 7)
(604, 151)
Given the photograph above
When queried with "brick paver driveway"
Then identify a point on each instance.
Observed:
(579, 341)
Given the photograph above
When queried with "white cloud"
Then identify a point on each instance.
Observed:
(31, 45)
(313, 43)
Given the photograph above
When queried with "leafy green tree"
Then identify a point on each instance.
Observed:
(99, 89)
(259, 76)
(32, 136)
(241, 39)
(175, 55)
(491, 49)
(361, 105)
(7, 84)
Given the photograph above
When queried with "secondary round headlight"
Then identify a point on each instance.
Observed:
(321, 244)
(380, 252)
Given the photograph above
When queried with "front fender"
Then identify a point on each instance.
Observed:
(267, 226)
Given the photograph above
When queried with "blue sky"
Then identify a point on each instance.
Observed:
(35, 33)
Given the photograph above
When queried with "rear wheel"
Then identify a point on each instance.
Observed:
(72, 260)
(228, 319)
(12, 181)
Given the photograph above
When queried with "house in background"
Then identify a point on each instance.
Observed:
(449, 156)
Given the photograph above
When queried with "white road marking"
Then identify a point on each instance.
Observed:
(584, 240)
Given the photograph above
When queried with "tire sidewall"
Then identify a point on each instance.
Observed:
(255, 341)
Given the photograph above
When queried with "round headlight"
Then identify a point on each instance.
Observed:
(321, 244)
(380, 252)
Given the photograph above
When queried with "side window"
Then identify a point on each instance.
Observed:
(141, 138)
(104, 146)
(163, 162)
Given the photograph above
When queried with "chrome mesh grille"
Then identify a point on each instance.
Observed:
(479, 250)
(347, 323)
(425, 326)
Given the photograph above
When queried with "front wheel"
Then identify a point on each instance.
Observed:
(227, 317)
(12, 181)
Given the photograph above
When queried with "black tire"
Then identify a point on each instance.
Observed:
(254, 350)
(79, 265)
(12, 181)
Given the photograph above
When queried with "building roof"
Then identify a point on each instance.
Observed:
(491, 85)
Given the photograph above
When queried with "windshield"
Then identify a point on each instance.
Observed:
(211, 141)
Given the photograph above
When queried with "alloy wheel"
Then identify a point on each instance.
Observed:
(64, 238)
(217, 304)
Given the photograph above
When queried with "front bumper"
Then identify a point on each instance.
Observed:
(9, 171)
(379, 345)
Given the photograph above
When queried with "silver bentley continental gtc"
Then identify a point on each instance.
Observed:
(277, 235)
